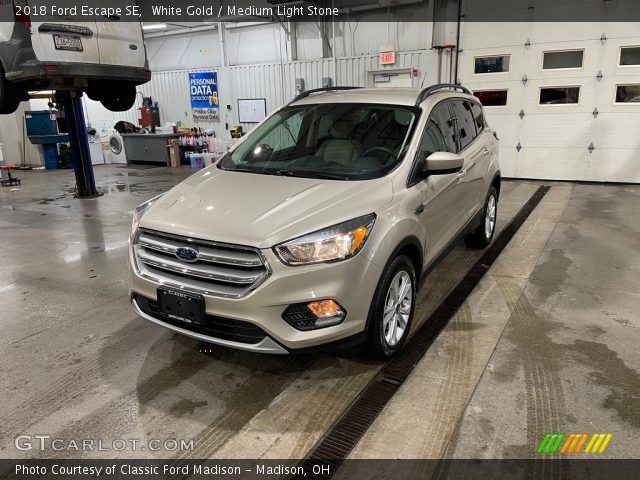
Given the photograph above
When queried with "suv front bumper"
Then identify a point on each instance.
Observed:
(351, 283)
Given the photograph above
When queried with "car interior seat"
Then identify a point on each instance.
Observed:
(340, 148)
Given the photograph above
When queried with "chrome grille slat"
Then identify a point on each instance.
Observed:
(207, 254)
(199, 270)
(221, 269)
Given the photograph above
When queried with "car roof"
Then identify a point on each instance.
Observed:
(384, 95)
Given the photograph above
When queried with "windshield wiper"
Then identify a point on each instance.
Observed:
(240, 169)
(308, 174)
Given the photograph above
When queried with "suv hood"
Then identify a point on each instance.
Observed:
(261, 210)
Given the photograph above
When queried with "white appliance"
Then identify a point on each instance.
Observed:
(95, 150)
(116, 153)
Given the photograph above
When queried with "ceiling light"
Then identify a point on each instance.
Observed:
(154, 26)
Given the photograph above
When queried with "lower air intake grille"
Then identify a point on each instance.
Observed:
(217, 327)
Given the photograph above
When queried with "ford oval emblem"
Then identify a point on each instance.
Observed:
(187, 254)
(133, 46)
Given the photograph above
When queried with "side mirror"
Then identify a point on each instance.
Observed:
(442, 163)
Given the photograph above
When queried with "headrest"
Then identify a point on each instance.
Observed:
(341, 130)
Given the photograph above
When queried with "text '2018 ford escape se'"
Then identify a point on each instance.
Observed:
(317, 228)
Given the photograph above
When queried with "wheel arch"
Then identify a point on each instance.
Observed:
(410, 246)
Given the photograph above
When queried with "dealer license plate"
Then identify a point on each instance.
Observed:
(67, 42)
(181, 306)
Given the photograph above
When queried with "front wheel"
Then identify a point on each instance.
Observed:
(392, 309)
(483, 234)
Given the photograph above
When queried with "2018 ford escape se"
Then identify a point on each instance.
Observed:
(318, 227)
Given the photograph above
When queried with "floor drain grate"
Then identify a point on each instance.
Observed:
(345, 433)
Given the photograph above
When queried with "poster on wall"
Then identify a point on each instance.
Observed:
(203, 87)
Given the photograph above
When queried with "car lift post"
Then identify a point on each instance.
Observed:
(79, 142)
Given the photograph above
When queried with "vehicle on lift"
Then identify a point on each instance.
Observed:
(105, 58)
(318, 227)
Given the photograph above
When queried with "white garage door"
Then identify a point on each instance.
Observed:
(564, 98)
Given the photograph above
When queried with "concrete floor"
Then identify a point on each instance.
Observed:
(547, 341)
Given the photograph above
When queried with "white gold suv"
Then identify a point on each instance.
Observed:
(318, 226)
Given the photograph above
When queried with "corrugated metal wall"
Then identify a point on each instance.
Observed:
(274, 81)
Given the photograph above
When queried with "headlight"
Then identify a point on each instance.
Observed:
(335, 243)
(139, 211)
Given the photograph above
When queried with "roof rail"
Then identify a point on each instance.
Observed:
(436, 88)
(306, 93)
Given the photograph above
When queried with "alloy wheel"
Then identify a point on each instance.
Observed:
(397, 308)
(490, 217)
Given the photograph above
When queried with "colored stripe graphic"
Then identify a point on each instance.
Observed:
(581, 443)
(543, 444)
(573, 442)
(569, 443)
(605, 443)
(554, 443)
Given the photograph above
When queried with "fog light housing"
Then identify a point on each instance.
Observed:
(314, 315)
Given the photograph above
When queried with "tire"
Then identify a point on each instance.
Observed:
(117, 97)
(382, 342)
(93, 93)
(483, 234)
(10, 96)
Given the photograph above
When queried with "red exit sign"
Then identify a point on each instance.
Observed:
(387, 58)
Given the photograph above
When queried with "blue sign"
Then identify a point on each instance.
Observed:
(203, 88)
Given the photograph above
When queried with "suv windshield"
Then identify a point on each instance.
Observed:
(341, 141)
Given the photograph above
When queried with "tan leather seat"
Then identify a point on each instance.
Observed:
(340, 148)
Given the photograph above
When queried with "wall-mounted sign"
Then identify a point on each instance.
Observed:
(387, 58)
(203, 88)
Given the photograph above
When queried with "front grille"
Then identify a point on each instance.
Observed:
(221, 269)
(217, 327)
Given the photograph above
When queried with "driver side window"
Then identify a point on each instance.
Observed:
(440, 134)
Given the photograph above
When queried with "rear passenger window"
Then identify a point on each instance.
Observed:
(465, 122)
(476, 110)
(439, 135)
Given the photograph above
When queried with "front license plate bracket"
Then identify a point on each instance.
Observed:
(181, 306)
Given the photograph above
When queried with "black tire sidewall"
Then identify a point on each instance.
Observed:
(379, 345)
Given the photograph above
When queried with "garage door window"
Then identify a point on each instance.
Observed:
(493, 64)
(562, 59)
(559, 95)
(629, 56)
(492, 98)
(628, 93)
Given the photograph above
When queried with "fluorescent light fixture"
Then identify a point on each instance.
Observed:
(154, 26)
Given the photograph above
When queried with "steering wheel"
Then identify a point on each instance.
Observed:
(381, 149)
